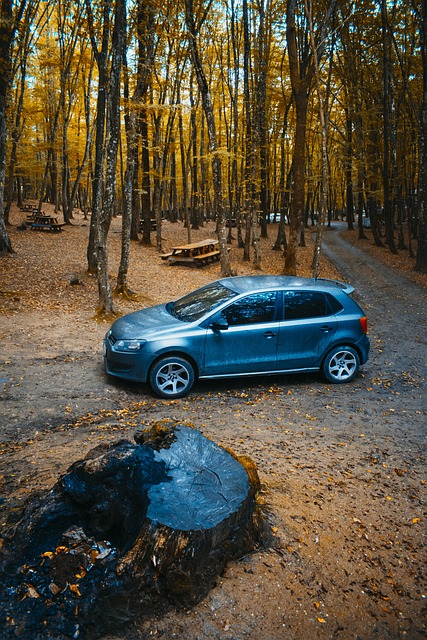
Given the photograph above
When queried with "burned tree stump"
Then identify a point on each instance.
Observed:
(129, 531)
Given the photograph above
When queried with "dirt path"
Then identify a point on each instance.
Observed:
(343, 467)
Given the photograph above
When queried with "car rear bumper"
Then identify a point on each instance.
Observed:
(363, 346)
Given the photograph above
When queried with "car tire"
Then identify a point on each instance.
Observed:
(341, 364)
(171, 377)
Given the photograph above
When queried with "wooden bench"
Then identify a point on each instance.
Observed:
(48, 224)
(205, 257)
(195, 253)
(179, 258)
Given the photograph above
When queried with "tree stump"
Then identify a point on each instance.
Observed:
(129, 531)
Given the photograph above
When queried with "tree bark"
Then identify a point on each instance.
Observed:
(105, 305)
(101, 57)
(301, 68)
(210, 121)
(421, 259)
(388, 210)
(8, 25)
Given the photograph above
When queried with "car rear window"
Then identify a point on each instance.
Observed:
(194, 305)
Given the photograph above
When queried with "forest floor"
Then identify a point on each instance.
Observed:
(342, 467)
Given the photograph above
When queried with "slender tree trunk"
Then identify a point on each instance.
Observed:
(7, 33)
(146, 182)
(388, 210)
(324, 186)
(105, 306)
(210, 121)
(261, 118)
(349, 172)
(184, 175)
(301, 68)
(301, 86)
(194, 163)
(101, 57)
(421, 260)
(298, 166)
(89, 132)
(250, 209)
(128, 185)
(16, 134)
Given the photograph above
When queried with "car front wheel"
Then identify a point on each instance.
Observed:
(341, 364)
(171, 377)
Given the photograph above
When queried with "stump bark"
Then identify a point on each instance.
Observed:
(129, 531)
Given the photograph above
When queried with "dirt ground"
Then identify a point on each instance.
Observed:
(342, 467)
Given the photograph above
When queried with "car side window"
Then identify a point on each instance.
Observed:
(335, 306)
(305, 304)
(258, 307)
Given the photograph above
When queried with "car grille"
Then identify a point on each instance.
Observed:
(110, 338)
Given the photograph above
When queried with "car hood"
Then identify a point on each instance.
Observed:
(141, 323)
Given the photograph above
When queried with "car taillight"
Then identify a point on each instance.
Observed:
(364, 324)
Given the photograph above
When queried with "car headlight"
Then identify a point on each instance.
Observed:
(129, 345)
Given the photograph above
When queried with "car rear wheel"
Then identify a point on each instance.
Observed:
(171, 377)
(341, 364)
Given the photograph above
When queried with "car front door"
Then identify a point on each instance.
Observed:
(306, 331)
(247, 341)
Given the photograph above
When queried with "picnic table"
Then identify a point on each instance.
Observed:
(43, 222)
(29, 207)
(195, 253)
(153, 224)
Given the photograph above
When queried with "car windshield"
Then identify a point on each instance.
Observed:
(194, 305)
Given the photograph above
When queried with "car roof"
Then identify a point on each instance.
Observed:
(245, 284)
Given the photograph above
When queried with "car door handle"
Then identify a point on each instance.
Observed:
(269, 334)
(326, 328)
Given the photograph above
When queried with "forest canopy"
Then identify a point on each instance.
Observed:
(225, 110)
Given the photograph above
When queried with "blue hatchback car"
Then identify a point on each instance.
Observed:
(241, 326)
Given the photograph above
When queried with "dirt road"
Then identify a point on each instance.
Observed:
(343, 467)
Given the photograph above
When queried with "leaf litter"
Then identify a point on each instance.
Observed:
(342, 492)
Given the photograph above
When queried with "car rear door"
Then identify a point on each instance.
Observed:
(249, 344)
(308, 328)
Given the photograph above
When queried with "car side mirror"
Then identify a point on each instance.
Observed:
(219, 326)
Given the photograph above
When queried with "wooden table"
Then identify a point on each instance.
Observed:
(196, 253)
(40, 222)
(29, 207)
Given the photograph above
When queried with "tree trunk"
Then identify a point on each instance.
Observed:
(301, 68)
(194, 209)
(261, 119)
(301, 86)
(7, 33)
(146, 182)
(101, 57)
(421, 260)
(388, 210)
(184, 174)
(89, 129)
(105, 305)
(210, 121)
(145, 25)
(250, 209)
(298, 169)
(349, 172)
